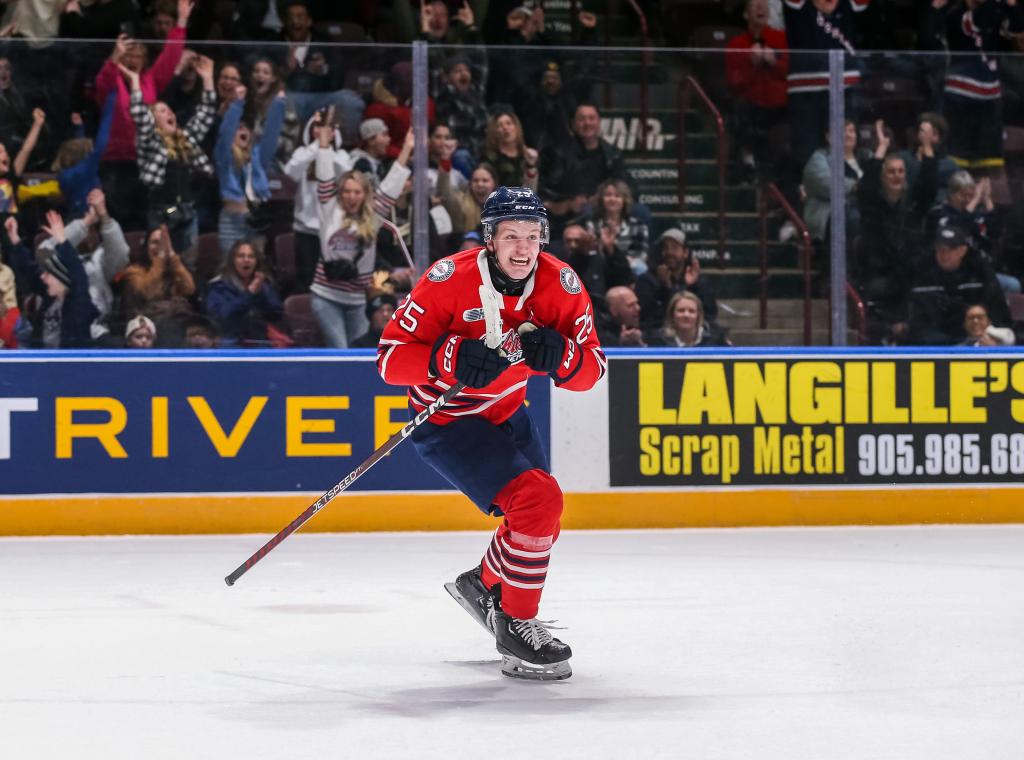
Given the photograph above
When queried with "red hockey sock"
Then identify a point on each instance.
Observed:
(521, 548)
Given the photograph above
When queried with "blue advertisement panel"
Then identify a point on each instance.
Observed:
(180, 422)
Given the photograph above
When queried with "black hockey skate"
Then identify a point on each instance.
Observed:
(470, 592)
(528, 650)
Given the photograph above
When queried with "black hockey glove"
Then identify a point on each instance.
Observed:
(543, 349)
(469, 361)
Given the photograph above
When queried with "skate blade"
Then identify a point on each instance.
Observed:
(467, 606)
(513, 667)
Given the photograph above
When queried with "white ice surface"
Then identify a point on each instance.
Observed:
(772, 644)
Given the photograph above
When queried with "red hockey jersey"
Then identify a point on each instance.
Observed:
(447, 300)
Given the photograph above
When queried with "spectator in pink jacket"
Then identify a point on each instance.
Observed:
(119, 169)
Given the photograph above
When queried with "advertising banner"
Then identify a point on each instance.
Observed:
(184, 422)
(816, 420)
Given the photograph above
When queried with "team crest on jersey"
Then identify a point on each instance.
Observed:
(512, 346)
(570, 281)
(441, 271)
(473, 315)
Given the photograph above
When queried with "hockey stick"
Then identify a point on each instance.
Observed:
(492, 317)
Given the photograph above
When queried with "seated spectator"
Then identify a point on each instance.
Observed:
(969, 207)
(349, 210)
(685, 326)
(573, 171)
(119, 168)
(168, 156)
(464, 206)
(140, 332)
(506, 151)
(104, 252)
(932, 129)
(378, 311)
(158, 284)
(242, 169)
(242, 300)
(756, 66)
(163, 17)
(980, 330)
(973, 97)
(944, 285)
(460, 105)
(618, 324)
(600, 266)
(64, 318)
(612, 222)
(447, 36)
(817, 184)
(10, 174)
(392, 104)
(306, 211)
(892, 223)
(673, 269)
(9, 312)
(78, 160)
(200, 332)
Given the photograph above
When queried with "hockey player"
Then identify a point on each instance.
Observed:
(484, 442)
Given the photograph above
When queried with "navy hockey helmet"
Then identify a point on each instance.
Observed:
(512, 203)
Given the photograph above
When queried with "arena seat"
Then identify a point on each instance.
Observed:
(302, 325)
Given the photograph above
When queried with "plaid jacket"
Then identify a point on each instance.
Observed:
(152, 154)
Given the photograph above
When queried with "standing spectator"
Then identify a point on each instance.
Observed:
(78, 160)
(349, 209)
(308, 66)
(64, 318)
(684, 325)
(973, 100)
(158, 284)
(374, 147)
(673, 269)
(119, 169)
(10, 175)
(163, 17)
(932, 129)
(619, 323)
(242, 170)
(508, 153)
(600, 267)
(168, 156)
(612, 223)
(817, 184)
(441, 148)
(460, 105)
(573, 171)
(256, 20)
(104, 252)
(392, 104)
(378, 311)
(242, 299)
(15, 110)
(756, 66)
(547, 114)
(818, 25)
(306, 212)
(892, 222)
(140, 332)
(945, 284)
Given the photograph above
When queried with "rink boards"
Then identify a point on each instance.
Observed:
(233, 441)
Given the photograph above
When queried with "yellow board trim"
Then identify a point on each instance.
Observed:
(212, 513)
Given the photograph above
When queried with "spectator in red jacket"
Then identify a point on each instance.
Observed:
(119, 170)
(756, 65)
(393, 104)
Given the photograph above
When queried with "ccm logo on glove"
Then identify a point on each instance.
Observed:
(468, 361)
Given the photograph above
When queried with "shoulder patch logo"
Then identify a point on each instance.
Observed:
(570, 281)
(441, 271)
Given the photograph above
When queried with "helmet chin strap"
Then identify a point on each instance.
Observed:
(503, 283)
